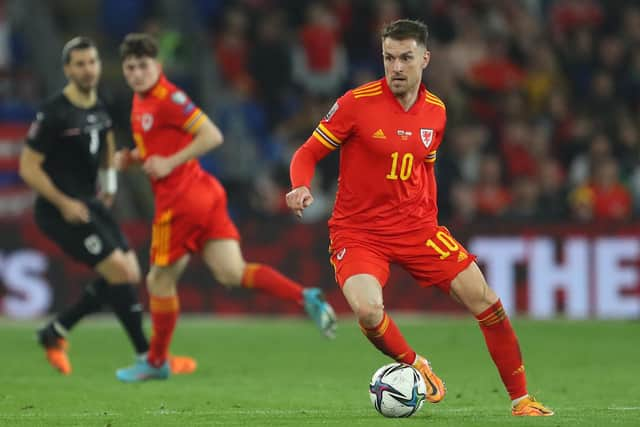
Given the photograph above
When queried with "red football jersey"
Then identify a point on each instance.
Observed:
(163, 122)
(386, 182)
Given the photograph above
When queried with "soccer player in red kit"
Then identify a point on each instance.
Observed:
(170, 132)
(388, 132)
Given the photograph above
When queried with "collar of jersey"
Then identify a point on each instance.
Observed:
(417, 105)
(162, 79)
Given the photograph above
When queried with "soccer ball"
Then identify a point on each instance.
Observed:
(397, 390)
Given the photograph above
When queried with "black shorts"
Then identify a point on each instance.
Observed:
(88, 243)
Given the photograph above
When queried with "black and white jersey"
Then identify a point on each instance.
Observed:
(73, 141)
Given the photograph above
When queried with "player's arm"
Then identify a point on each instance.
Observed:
(328, 136)
(124, 158)
(301, 171)
(206, 137)
(107, 174)
(34, 175)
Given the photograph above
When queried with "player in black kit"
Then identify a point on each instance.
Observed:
(68, 155)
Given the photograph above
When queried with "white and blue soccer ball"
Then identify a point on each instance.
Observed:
(397, 390)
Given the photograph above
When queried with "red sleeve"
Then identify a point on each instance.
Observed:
(304, 160)
(337, 125)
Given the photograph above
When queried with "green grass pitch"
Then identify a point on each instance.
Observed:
(281, 372)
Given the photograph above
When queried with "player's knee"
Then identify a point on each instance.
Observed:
(369, 315)
(135, 274)
(131, 272)
(159, 284)
(228, 276)
(471, 288)
(154, 279)
(122, 270)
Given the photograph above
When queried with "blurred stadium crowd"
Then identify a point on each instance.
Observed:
(543, 97)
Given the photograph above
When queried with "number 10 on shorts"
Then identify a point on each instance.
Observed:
(444, 244)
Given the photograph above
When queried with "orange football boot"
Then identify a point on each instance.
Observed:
(530, 407)
(435, 386)
(57, 356)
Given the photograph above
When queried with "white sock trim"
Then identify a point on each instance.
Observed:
(514, 402)
(60, 329)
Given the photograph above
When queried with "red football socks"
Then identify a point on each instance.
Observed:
(265, 278)
(164, 316)
(504, 349)
(388, 339)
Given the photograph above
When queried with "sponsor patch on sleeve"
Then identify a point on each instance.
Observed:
(179, 97)
(331, 112)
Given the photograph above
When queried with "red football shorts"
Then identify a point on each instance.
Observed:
(188, 225)
(432, 257)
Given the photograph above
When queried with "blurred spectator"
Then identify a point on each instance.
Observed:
(631, 24)
(231, 48)
(605, 198)
(496, 71)
(578, 61)
(319, 62)
(492, 198)
(553, 194)
(515, 145)
(463, 203)
(244, 126)
(584, 164)
(628, 147)
(543, 77)
(602, 105)
(570, 15)
(270, 66)
(468, 48)
(524, 204)
(612, 57)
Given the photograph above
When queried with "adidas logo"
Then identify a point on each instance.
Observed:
(462, 256)
(379, 134)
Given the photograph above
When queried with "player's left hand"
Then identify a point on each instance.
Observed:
(157, 166)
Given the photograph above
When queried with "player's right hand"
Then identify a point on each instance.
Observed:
(124, 158)
(74, 211)
(298, 199)
(121, 159)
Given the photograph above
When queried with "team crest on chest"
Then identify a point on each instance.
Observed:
(146, 121)
(426, 136)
